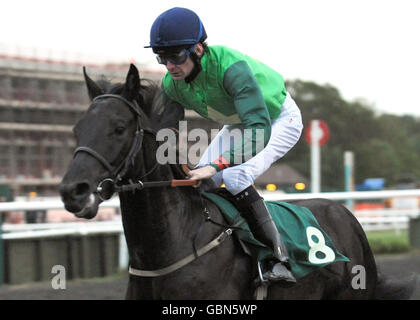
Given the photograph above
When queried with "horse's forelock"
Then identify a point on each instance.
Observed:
(159, 115)
(108, 87)
(149, 91)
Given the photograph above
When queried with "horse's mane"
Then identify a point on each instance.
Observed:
(160, 114)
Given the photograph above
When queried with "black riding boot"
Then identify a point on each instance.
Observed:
(264, 229)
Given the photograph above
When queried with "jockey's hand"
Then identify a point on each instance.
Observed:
(202, 173)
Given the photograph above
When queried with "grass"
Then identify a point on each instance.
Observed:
(388, 241)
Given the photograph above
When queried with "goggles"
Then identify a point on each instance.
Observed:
(175, 58)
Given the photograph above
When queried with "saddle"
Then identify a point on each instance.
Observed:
(309, 247)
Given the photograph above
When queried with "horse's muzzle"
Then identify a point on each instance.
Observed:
(79, 200)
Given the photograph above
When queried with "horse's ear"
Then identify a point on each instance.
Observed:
(93, 89)
(131, 89)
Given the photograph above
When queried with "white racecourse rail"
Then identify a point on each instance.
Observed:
(370, 219)
(375, 219)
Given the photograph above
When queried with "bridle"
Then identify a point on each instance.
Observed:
(120, 170)
(118, 174)
(112, 183)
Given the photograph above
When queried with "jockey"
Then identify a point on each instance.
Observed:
(243, 94)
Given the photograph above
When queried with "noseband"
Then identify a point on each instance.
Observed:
(118, 173)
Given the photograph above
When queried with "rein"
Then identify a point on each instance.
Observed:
(154, 184)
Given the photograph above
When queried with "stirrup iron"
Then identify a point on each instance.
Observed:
(260, 274)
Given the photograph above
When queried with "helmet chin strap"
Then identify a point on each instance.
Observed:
(197, 67)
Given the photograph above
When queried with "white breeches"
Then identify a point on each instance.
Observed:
(285, 132)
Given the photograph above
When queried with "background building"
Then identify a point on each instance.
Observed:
(40, 101)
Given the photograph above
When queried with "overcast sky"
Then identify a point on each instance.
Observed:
(368, 49)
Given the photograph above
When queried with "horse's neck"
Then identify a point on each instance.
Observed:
(159, 223)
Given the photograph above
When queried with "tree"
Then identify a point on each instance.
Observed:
(385, 146)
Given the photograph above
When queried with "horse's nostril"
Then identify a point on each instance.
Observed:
(81, 189)
(74, 191)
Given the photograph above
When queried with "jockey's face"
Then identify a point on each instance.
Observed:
(179, 72)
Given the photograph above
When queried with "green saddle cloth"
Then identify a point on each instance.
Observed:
(308, 246)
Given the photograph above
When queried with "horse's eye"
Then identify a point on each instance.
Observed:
(119, 130)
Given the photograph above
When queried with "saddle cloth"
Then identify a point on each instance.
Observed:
(308, 246)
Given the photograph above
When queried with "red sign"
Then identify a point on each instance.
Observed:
(318, 132)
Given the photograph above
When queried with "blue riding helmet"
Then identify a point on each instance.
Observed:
(177, 27)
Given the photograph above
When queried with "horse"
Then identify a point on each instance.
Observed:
(116, 151)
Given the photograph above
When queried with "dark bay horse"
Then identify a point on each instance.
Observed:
(163, 224)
